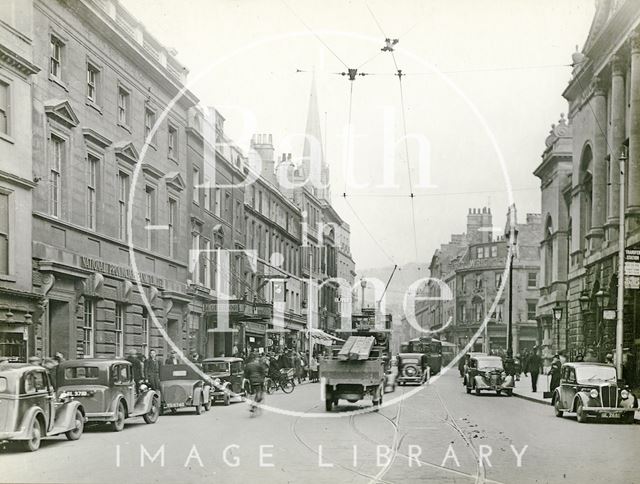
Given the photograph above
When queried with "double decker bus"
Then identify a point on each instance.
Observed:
(431, 347)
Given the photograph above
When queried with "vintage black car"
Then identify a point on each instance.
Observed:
(227, 375)
(592, 390)
(412, 368)
(182, 386)
(487, 373)
(29, 409)
(107, 391)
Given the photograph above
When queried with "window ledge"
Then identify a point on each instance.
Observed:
(8, 278)
(7, 138)
(125, 127)
(59, 82)
(174, 159)
(93, 105)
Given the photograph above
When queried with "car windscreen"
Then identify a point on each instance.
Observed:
(593, 373)
(81, 373)
(215, 367)
(4, 385)
(490, 364)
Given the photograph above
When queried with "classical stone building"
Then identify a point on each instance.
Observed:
(19, 305)
(98, 105)
(604, 118)
(473, 266)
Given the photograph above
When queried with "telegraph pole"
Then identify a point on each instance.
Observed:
(622, 233)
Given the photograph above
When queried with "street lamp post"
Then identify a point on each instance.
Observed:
(622, 233)
(599, 308)
(557, 315)
(513, 240)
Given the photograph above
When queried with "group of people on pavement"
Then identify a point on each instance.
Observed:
(148, 368)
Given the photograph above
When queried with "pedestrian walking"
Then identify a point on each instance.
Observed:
(313, 369)
(255, 372)
(152, 370)
(533, 366)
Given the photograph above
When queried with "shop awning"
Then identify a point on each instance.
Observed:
(320, 337)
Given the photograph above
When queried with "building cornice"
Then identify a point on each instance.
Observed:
(17, 180)
(18, 62)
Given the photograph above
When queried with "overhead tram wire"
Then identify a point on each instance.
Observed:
(364, 226)
(389, 47)
(316, 35)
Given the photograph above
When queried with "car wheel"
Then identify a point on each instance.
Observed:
(207, 406)
(227, 400)
(556, 407)
(76, 432)
(198, 409)
(477, 390)
(35, 437)
(154, 412)
(118, 423)
(580, 414)
(173, 411)
(508, 392)
(467, 388)
(328, 404)
(498, 392)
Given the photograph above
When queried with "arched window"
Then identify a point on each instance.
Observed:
(548, 252)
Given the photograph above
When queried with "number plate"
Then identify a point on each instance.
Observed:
(174, 405)
(608, 414)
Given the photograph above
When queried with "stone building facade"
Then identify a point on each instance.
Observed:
(102, 88)
(604, 119)
(474, 267)
(128, 202)
(19, 305)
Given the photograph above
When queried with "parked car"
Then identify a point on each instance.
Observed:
(29, 409)
(181, 386)
(592, 390)
(227, 374)
(412, 368)
(487, 373)
(107, 391)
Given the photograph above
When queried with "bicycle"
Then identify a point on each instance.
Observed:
(284, 381)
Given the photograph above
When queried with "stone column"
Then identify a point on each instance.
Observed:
(633, 169)
(599, 106)
(617, 138)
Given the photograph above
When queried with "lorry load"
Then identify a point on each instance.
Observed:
(356, 348)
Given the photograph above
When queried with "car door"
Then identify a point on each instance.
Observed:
(44, 396)
(235, 371)
(123, 381)
(568, 387)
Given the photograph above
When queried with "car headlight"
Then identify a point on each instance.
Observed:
(503, 374)
(593, 393)
(143, 387)
(624, 394)
(216, 381)
(63, 395)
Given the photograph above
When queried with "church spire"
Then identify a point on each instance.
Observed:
(313, 150)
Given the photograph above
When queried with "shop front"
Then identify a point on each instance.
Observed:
(236, 326)
(17, 311)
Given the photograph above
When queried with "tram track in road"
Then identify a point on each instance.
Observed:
(301, 441)
(395, 422)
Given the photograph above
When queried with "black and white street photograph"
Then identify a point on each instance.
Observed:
(292, 241)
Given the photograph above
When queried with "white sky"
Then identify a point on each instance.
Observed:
(508, 58)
